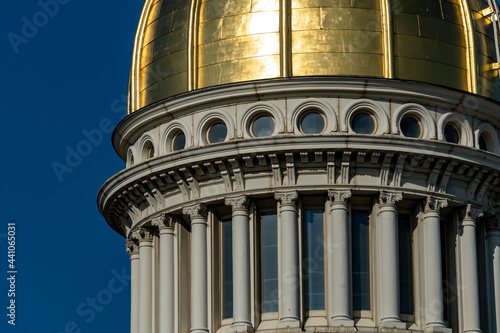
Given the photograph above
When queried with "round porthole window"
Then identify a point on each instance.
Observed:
(263, 126)
(179, 141)
(217, 133)
(451, 134)
(410, 127)
(363, 123)
(312, 123)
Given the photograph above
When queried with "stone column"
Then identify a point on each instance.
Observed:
(288, 258)
(166, 287)
(493, 258)
(241, 266)
(388, 261)
(133, 251)
(145, 237)
(469, 268)
(199, 291)
(339, 259)
(431, 266)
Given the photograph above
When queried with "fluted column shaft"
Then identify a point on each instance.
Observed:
(339, 285)
(289, 304)
(493, 257)
(432, 269)
(241, 265)
(166, 287)
(388, 261)
(470, 279)
(133, 250)
(199, 291)
(145, 237)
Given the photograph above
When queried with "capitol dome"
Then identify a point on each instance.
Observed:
(184, 45)
(311, 166)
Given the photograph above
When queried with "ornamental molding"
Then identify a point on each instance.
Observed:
(435, 204)
(339, 196)
(237, 203)
(287, 198)
(493, 223)
(143, 234)
(166, 184)
(132, 247)
(390, 198)
(164, 221)
(472, 213)
(196, 211)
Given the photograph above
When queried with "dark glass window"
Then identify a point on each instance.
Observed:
(217, 133)
(227, 269)
(151, 151)
(451, 134)
(269, 261)
(410, 127)
(482, 143)
(405, 264)
(179, 142)
(314, 260)
(312, 123)
(363, 123)
(360, 260)
(263, 126)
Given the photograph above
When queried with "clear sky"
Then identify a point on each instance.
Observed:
(64, 70)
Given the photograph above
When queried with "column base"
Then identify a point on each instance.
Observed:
(289, 324)
(392, 324)
(439, 329)
(240, 328)
(198, 330)
(341, 322)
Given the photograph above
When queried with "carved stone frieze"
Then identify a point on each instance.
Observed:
(287, 198)
(196, 211)
(390, 198)
(132, 247)
(339, 196)
(237, 203)
(164, 221)
(435, 204)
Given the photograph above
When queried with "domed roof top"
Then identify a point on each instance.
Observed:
(183, 45)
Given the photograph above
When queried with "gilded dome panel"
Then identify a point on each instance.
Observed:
(182, 45)
(237, 41)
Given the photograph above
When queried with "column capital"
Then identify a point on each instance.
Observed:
(132, 247)
(390, 198)
(339, 196)
(196, 211)
(287, 198)
(164, 221)
(472, 213)
(143, 234)
(237, 203)
(493, 223)
(435, 204)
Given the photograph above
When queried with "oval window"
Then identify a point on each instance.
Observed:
(179, 141)
(263, 126)
(451, 134)
(217, 133)
(312, 123)
(410, 127)
(363, 123)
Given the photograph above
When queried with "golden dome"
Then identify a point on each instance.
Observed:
(183, 45)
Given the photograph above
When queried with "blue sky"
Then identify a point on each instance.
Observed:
(60, 81)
